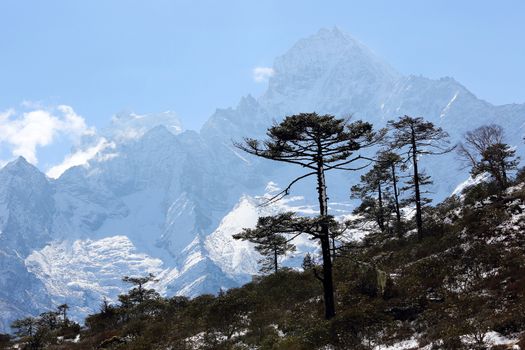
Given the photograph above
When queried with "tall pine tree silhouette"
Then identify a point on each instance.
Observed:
(416, 137)
(319, 143)
(269, 240)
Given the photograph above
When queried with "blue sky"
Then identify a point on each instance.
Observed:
(104, 56)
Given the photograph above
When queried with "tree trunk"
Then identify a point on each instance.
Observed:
(333, 247)
(141, 294)
(380, 216)
(396, 197)
(419, 219)
(328, 286)
(503, 174)
(275, 259)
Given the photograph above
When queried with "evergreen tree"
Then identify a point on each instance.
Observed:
(62, 310)
(379, 192)
(498, 160)
(49, 319)
(390, 163)
(372, 193)
(269, 243)
(25, 327)
(416, 137)
(308, 262)
(139, 293)
(30, 331)
(410, 184)
(337, 229)
(319, 143)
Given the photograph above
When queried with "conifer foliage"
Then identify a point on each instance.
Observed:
(139, 293)
(44, 330)
(416, 137)
(269, 239)
(319, 143)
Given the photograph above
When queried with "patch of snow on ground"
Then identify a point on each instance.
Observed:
(493, 338)
(402, 345)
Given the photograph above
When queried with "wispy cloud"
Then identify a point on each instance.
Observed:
(23, 133)
(262, 74)
(80, 157)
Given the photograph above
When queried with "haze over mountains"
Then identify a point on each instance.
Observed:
(166, 201)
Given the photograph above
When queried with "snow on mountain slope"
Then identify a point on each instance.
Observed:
(237, 258)
(26, 206)
(22, 293)
(143, 229)
(82, 273)
(167, 201)
(26, 215)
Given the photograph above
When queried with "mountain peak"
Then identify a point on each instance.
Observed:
(21, 160)
(330, 60)
(158, 133)
(130, 126)
(248, 103)
(20, 165)
(330, 46)
(334, 33)
(158, 129)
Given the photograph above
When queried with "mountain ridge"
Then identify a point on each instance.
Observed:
(168, 191)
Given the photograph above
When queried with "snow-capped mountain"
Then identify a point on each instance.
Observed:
(26, 207)
(166, 201)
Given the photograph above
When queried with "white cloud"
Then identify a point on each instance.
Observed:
(262, 74)
(24, 132)
(126, 126)
(80, 157)
(28, 104)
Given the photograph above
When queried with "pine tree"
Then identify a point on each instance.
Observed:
(498, 160)
(25, 327)
(62, 310)
(372, 192)
(390, 163)
(336, 229)
(319, 143)
(379, 192)
(308, 262)
(49, 319)
(139, 293)
(416, 137)
(271, 244)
